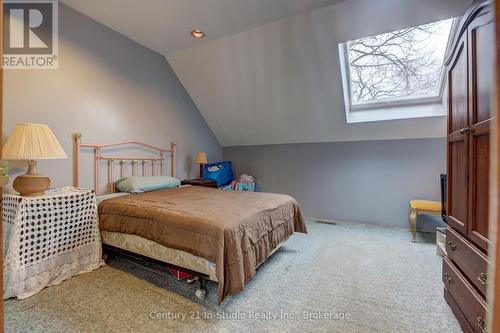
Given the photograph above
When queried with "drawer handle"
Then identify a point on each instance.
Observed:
(483, 278)
(451, 246)
(482, 324)
(465, 131)
(448, 278)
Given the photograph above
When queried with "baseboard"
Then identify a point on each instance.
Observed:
(369, 225)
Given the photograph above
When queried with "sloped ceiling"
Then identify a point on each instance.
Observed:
(281, 82)
(263, 76)
(165, 25)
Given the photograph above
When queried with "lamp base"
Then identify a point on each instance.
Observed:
(201, 170)
(31, 184)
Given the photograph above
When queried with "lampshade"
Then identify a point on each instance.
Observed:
(201, 158)
(32, 142)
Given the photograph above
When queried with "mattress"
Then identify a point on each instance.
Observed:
(150, 249)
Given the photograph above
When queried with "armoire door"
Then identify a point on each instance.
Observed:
(458, 100)
(481, 45)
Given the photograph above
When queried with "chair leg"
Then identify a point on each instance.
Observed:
(413, 223)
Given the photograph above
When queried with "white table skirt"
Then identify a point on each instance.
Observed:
(48, 239)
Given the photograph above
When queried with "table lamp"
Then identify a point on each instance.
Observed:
(201, 159)
(32, 142)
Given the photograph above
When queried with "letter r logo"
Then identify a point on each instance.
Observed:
(28, 28)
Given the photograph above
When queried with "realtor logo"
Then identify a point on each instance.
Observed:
(30, 34)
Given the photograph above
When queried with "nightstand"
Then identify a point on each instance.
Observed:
(200, 182)
(48, 239)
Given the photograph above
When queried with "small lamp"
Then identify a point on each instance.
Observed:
(32, 142)
(201, 159)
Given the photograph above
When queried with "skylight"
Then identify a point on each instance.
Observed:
(403, 66)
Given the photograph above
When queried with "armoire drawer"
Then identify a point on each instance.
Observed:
(471, 304)
(471, 261)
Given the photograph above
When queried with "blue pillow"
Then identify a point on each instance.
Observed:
(136, 184)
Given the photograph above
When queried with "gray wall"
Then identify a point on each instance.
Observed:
(364, 181)
(109, 88)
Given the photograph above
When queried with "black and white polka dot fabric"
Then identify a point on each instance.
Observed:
(49, 239)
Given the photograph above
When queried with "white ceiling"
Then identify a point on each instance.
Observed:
(165, 25)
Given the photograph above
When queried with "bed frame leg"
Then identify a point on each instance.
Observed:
(202, 290)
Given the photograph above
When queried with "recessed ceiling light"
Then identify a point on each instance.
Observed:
(197, 33)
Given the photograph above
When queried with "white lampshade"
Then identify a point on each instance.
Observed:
(201, 158)
(32, 142)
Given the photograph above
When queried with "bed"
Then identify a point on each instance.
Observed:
(218, 235)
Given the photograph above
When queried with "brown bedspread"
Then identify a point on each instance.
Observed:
(236, 230)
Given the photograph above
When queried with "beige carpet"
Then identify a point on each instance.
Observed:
(339, 278)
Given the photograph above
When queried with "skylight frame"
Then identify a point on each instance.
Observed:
(392, 101)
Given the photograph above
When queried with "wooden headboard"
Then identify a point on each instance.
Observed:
(138, 163)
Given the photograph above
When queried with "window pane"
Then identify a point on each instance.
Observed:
(398, 65)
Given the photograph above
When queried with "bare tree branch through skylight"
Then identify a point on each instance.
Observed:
(398, 64)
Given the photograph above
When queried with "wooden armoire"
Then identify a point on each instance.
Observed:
(470, 67)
